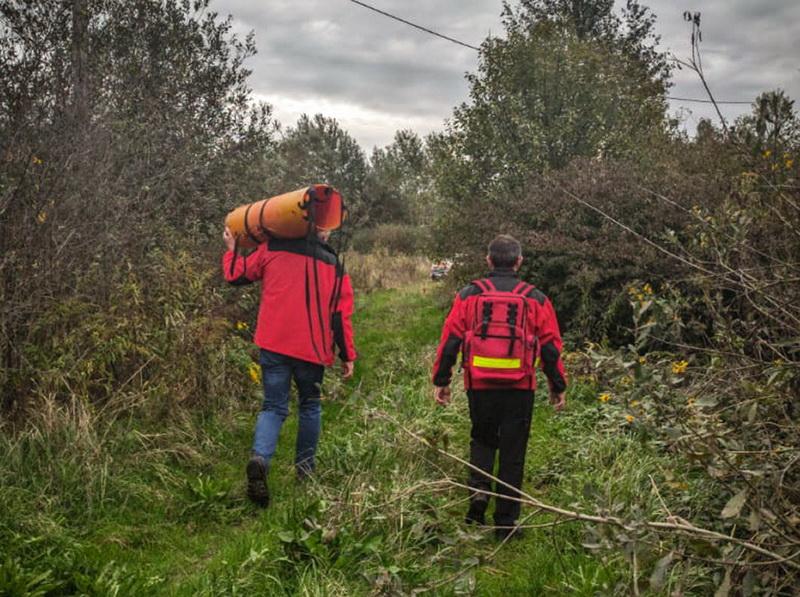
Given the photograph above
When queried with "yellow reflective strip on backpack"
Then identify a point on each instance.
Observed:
(494, 363)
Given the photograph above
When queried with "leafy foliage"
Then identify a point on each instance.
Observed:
(150, 155)
(563, 94)
(397, 180)
(318, 149)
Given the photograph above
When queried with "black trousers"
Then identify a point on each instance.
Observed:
(501, 422)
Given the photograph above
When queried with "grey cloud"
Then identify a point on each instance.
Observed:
(337, 51)
(747, 46)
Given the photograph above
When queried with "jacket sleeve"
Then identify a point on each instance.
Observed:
(342, 322)
(550, 347)
(449, 344)
(240, 269)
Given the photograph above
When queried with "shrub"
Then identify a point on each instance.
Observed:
(392, 238)
(379, 269)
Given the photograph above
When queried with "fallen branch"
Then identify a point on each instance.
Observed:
(674, 524)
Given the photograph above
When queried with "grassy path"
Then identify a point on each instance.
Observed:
(169, 516)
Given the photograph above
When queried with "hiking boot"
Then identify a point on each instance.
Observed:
(510, 533)
(257, 489)
(477, 510)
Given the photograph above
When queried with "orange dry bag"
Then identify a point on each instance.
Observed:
(290, 215)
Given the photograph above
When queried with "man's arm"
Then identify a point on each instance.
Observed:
(447, 352)
(238, 269)
(342, 323)
(551, 347)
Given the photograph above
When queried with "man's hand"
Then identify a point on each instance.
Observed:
(227, 236)
(347, 369)
(558, 400)
(442, 395)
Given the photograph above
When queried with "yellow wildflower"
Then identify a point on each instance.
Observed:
(642, 360)
(254, 371)
(36, 161)
(241, 325)
(635, 403)
(605, 397)
(767, 153)
(679, 367)
(789, 164)
(629, 419)
(647, 289)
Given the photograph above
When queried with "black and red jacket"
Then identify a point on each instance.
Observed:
(542, 321)
(306, 298)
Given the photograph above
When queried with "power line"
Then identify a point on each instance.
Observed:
(471, 47)
(706, 101)
(420, 27)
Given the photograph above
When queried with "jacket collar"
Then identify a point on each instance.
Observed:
(502, 272)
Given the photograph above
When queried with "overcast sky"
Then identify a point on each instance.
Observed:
(376, 75)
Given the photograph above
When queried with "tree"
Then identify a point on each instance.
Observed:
(318, 150)
(571, 83)
(396, 180)
(166, 141)
(773, 126)
(632, 31)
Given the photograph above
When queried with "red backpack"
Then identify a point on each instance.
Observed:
(500, 348)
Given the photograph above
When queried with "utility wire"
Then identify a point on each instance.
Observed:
(410, 24)
(705, 101)
(471, 47)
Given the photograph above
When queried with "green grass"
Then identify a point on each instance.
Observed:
(132, 508)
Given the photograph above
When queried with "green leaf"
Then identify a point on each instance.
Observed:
(707, 401)
(660, 572)
(754, 520)
(735, 504)
(725, 587)
(751, 415)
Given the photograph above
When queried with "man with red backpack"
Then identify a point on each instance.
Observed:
(503, 328)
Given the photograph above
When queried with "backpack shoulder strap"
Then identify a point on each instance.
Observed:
(484, 284)
(523, 288)
(536, 294)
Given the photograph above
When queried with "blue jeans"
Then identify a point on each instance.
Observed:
(277, 371)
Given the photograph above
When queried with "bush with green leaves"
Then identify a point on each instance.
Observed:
(391, 238)
(108, 156)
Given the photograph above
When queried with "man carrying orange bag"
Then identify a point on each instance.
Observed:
(304, 315)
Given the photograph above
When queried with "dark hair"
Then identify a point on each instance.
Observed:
(504, 251)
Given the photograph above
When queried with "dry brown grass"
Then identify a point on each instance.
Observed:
(379, 270)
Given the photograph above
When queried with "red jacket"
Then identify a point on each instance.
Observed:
(299, 315)
(542, 321)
